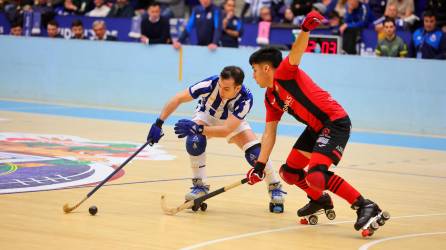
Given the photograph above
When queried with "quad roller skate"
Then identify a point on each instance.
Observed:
(310, 212)
(370, 217)
(277, 199)
(197, 190)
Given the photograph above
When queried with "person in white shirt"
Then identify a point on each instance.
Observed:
(100, 10)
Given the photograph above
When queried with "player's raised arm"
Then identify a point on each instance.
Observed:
(156, 131)
(311, 21)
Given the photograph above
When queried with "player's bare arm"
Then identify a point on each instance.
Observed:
(172, 104)
(298, 48)
(222, 130)
(268, 140)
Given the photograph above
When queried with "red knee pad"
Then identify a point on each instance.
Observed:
(291, 175)
(296, 159)
(318, 173)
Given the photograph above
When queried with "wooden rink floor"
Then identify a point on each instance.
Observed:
(408, 183)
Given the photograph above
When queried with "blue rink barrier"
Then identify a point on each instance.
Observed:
(391, 94)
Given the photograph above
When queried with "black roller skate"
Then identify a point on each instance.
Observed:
(370, 216)
(197, 190)
(277, 197)
(314, 208)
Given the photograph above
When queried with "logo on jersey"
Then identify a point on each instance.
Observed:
(288, 102)
(35, 162)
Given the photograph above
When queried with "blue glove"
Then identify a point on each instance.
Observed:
(186, 127)
(155, 132)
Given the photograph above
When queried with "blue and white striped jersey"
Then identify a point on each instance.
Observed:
(210, 102)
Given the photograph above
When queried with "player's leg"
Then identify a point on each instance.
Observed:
(196, 148)
(246, 140)
(293, 172)
(327, 151)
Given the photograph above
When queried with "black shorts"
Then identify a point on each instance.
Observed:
(329, 141)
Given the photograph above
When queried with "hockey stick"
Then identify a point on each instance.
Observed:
(68, 209)
(199, 200)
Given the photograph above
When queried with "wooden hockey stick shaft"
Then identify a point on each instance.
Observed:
(68, 209)
(199, 200)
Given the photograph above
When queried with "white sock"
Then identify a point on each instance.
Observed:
(270, 174)
(198, 165)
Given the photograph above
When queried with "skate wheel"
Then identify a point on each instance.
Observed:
(381, 222)
(374, 226)
(195, 208)
(303, 221)
(365, 233)
(276, 208)
(331, 215)
(385, 215)
(203, 206)
(313, 219)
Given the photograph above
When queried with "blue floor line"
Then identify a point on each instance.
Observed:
(408, 141)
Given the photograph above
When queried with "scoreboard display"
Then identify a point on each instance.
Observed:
(324, 44)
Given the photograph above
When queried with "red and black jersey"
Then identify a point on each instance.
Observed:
(295, 92)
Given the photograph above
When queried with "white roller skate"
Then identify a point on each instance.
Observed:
(370, 217)
(197, 190)
(277, 197)
(310, 212)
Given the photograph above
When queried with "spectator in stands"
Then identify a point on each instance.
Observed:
(16, 29)
(334, 22)
(377, 7)
(405, 10)
(46, 11)
(254, 6)
(392, 45)
(357, 16)
(78, 7)
(440, 8)
(52, 29)
(428, 42)
(100, 9)
(265, 15)
(391, 12)
(121, 8)
(100, 32)
(155, 29)
(77, 30)
(340, 7)
(206, 18)
(289, 18)
(232, 26)
(301, 7)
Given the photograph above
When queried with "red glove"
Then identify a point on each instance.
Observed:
(256, 173)
(311, 21)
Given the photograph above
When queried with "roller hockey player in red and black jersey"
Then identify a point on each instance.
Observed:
(291, 90)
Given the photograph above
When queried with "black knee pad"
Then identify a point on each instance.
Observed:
(323, 169)
(291, 175)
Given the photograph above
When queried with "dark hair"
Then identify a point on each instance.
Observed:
(77, 23)
(233, 72)
(16, 24)
(53, 22)
(266, 55)
(389, 20)
(429, 13)
(154, 4)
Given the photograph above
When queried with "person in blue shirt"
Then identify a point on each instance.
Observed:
(357, 17)
(223, 103)
(428, 42)
(207, 21)
(232, 26)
